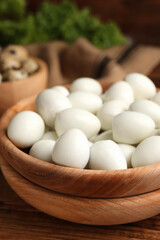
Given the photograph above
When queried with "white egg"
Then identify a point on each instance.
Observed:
(61, 89)
(108, 111)
(25, 129)
(77, 118)
(86, 100)
(156, 98)
(131, 127)
(43, 150)
(142, 86)
(107, 135)
(127, 150)
(147, 107)
(120, 90)
(147, 152)
(106, 155)
(71, 149)
(49, 103)
(87, 85)
(50, 135)
(90, 143)
(156, 132)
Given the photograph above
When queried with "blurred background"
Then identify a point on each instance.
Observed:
(26, 21)
(137, 19)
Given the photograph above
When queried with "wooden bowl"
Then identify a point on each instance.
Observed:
(84, 210)
(12, 92)
(76, 182)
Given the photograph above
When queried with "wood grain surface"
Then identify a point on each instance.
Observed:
(84, 210)
(19, 221)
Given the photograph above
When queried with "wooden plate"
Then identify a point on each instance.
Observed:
(76, 182)
(84, 210)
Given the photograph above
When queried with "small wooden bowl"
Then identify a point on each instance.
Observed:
(12, 92)
(76, 182)
(84, 210)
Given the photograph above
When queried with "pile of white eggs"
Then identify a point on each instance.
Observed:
(85, 128)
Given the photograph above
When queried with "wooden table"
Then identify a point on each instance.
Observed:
(19, 221)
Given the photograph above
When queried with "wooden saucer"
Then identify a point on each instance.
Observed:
(83, 210)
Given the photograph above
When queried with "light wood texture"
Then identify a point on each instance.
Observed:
(12, 92)
(76, 182)
(18, 220)
(84, 210)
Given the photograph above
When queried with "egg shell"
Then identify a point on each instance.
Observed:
(50, 135)
(25, 129)
(77, 118)
(120, 90)
(42, 150)
(71, 149)
(49, 103)
(142, 86)
(147, 107)
(86, 84)
(108, 111)
(127, 150)
(107, 135)
(131, 127)
(61, 89)
(86, 100)
(156, 98)
(147, 152)
(106, 155)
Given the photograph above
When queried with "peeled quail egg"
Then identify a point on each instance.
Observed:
(120, 90)
(42, 150)
(87, 85)
(142, 86)
(49, 103)
(106, 155)
(86, 100)
(25, 128)
(147, 152)
(77, 118)
(127, 150)
(108, 111)
(131, 127)
(63, 90)
(71, 149)
(156, 98)
(50, 135)
(147, 107)
(107, 135)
